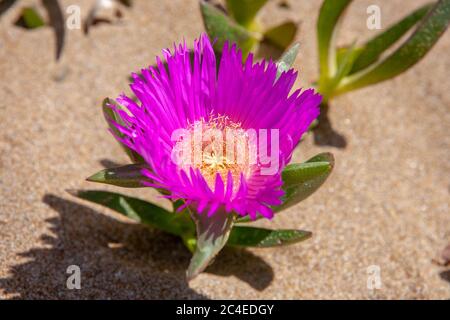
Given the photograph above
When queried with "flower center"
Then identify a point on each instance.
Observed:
(216, 145)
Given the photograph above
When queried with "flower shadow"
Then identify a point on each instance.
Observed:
(243, 265)
(118, 260)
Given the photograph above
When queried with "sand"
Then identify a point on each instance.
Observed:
(386, 203)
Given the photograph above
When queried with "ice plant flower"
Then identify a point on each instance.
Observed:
(216, 140)
(188, 92)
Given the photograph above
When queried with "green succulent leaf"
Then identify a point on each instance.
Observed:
(110, 114)
(287, 60)
(30, 18)
(212, 235)
(345, 63)
(128, 176)
(330, 15)
(141, 211)
(281, 36)
(342, 52)
(372, 50)
(302, 180)
(412, 51)
(244, 11)
(243, 236)
(219, 26)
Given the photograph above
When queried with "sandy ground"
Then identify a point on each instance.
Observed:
(386, 203)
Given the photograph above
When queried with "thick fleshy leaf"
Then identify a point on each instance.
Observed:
(342, 52)
(243, 236)
(188, 238)
(330, 14)
(244, 11)
(302, 180)
(219, 26)
(141, 211)
(373, 49)
(281, 36)
(110, 114)
(287, 60)
(212, 235)
(30, 19)
(411, 52)
(345, 63)
(128, 176)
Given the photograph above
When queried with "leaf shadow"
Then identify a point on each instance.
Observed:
(118, 260)
(107, 163)
(56, 18)
(5, 5)
(445, 275)
(325, 134)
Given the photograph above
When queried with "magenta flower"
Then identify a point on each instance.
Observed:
(189, 94)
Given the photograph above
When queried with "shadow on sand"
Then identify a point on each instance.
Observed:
(118, 260)
(325, 134)
(445, 275)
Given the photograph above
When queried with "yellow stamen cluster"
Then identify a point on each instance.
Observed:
(218, 145)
